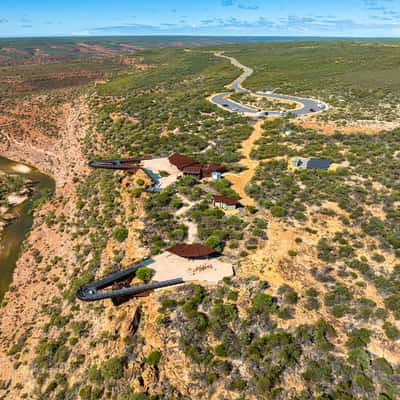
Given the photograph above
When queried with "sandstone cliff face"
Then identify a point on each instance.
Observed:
(34, 283)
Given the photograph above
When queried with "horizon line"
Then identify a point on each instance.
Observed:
(199, 36)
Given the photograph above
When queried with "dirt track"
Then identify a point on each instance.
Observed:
(239, 181)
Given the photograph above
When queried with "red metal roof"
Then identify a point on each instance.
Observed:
(191, 250)
(208, 169)
(189, 165)
(213, 168)
(181, 161)
(229, 201)
(193, 169)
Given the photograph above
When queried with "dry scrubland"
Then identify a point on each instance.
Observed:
(312, 312)
(359, 80)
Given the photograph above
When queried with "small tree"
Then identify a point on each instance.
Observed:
(153, 358)
(120, 233)
(278, 211)
(113, 368)
(144, 273)
(292, 253)
(213, 242)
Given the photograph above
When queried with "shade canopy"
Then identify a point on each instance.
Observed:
(191, 250)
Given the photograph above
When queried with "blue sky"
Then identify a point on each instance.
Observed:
(205, 17)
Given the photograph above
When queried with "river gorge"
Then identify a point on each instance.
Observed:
(15, 232)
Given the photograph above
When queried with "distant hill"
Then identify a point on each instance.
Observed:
(44, 50)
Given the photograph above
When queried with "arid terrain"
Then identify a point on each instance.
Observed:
(308, 308)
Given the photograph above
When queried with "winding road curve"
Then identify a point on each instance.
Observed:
(222, 100)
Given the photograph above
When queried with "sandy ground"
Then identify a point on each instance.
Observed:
(171, 266)
(162, 164)
(6, 213)
(272, 261)
(192, 227)
(186, 207)
(360, 127)
(14, 199)
(22, 169)
(192, 230)
(239, 181)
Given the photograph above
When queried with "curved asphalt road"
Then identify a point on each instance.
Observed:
(223, 101)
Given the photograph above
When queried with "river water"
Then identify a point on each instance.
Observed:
(14, 234)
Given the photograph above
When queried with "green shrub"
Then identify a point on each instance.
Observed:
(278, 211)
(318, 372)
(129, 395)
(153, 358)
(364, 383)
(383, 366)
(340, 310)
(359, 358)
(120, 233)
(393, 304)
(144, 273)
(213, 242)
(232, 295)
(90, 393)
(85, 393)
(358, 338)
(391, 331)
(113, 368)
(312, 303)
(289, 294)
(262, 302)
(221, 350)
(338, 295)
(94, 375)
(237, 384)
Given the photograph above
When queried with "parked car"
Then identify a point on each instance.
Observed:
(312, 110)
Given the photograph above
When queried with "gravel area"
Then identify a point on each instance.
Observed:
(162, 164)
(170, 266)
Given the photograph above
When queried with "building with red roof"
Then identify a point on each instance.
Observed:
(225, 202)
(191, 167)
(192, 250)
(208, 169)
(193, 170)
(181, 161)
